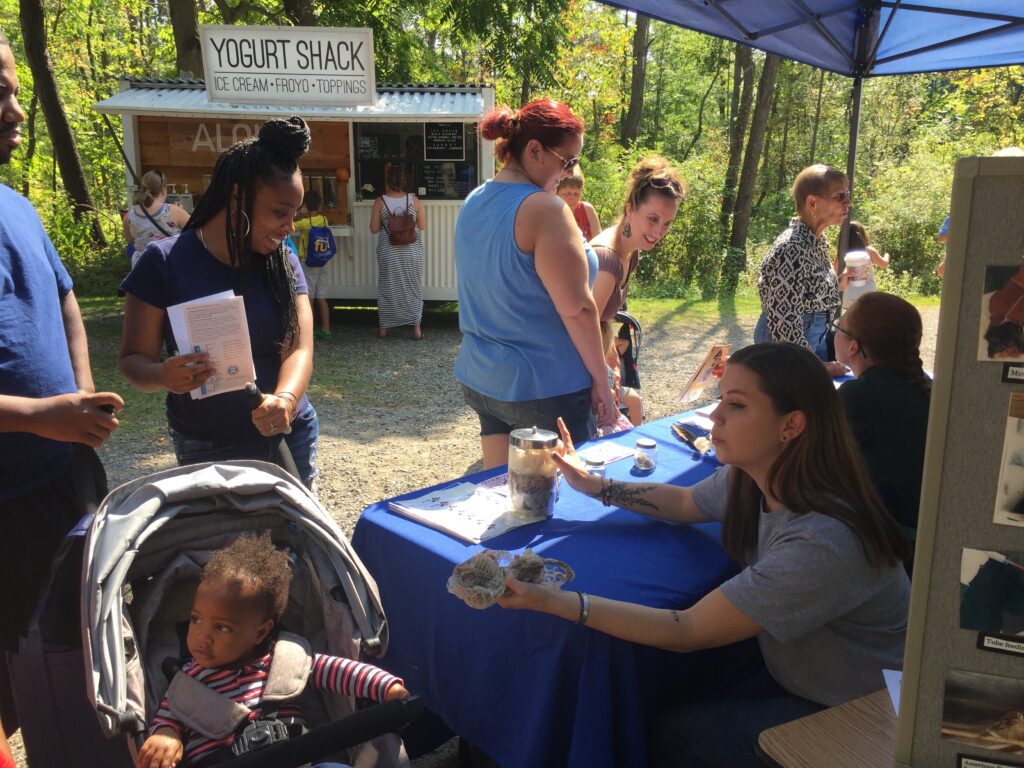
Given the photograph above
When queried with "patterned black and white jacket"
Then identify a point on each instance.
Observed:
(796, 278)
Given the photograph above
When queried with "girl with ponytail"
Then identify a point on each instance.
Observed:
(879, 339)
(234, 241)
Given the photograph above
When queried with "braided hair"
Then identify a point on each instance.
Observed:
(889, 329)
(269, 159)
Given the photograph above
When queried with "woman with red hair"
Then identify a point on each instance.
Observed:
(531, 342)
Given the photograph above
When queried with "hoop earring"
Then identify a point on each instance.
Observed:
(627, 231)
(247, 227)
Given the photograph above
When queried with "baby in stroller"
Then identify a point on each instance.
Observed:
(238, 663)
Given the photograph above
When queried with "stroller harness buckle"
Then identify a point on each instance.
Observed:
(257, 735)
(216, 716)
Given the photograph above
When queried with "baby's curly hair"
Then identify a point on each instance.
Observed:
(253, 569)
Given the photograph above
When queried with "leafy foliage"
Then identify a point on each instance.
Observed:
(912, 128)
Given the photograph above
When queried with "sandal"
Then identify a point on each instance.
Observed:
(325, 335)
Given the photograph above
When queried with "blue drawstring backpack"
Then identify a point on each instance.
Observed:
(320, 247)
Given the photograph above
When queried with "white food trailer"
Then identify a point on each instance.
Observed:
(174, 125)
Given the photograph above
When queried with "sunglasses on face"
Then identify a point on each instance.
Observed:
(833, 325)
(567, 165)
(840, 197)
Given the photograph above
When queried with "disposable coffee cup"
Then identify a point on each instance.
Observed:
(857, 265)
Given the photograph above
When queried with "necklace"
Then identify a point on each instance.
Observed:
(199, 234)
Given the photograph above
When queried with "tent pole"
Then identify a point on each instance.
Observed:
(851, 162)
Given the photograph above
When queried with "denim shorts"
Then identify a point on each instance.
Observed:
(815, 331)
(302, 442)
(499, 417)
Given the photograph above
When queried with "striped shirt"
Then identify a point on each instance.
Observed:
(245, 684)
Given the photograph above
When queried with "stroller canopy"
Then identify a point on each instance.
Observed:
(143, 526)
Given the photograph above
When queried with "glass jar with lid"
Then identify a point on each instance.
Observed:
(645, 455)
(532, 474)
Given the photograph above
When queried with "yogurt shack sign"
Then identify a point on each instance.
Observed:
(311, 66)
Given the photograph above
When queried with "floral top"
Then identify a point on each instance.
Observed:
(796, 278)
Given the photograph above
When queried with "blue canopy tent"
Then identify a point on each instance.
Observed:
(858, 38)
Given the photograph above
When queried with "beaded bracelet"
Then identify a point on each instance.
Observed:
(606, 490)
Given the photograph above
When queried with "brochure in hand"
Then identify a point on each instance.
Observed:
(703, 375)
(467, 511)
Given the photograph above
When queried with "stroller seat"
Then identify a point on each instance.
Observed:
(143, 557)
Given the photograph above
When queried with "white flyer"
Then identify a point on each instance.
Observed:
(465, 510)
(216, 325)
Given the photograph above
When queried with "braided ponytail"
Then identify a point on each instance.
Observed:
(270, 159)
(889, 329)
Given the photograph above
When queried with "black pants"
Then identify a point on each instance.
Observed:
(32, 526)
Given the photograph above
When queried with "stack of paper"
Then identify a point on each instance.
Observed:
(467, 511)
(217, 325)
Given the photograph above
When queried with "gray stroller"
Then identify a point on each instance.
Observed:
(142, 558)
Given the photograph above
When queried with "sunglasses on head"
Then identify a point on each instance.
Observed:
(567, 165)
(665, 183)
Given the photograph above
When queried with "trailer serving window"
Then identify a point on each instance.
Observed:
(439, 159)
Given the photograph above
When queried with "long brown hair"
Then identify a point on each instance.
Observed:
(821, 470)
(889, 330)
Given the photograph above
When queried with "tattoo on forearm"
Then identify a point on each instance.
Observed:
(631, 496)
(675, 615)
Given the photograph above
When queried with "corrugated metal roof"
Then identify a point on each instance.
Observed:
(188, 98)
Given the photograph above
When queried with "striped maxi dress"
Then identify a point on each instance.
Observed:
(399, 274)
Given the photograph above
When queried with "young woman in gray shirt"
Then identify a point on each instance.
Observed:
(822, 587)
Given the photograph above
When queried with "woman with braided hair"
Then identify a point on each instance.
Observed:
(234, 241)
(879, 339)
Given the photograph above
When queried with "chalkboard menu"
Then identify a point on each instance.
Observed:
(444, 141)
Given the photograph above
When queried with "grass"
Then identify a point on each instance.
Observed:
(336, 378)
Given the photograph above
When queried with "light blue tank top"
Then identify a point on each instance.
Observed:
(514, 345)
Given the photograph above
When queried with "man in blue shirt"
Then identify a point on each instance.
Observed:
(51, 418)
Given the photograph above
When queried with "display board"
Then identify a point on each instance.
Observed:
(444, 141)
(963, 681)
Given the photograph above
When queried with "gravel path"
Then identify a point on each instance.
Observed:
(392, 418)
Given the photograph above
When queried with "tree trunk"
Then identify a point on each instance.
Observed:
(742, 95)
(300, 12)
(748, 177)
(26, 160)
(65, 151)
(817, 119)
(185, 24)
(703, 101)
(641, 42)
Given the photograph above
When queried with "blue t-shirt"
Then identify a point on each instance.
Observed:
(514, 344)
(34, 357)
(179, 269)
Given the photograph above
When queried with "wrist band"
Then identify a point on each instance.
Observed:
(606, 489)
(584, 608)
(286, 395)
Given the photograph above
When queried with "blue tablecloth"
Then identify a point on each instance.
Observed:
(530, 689)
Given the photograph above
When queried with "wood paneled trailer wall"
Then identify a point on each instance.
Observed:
(185, 149)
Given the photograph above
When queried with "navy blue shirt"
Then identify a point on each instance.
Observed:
(179, 269)
(889, 416)
(34, 357)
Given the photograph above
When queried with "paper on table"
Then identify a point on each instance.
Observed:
(893, 681)
(702, 377)
(219, 328)
(606, 450)
(466, 511)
